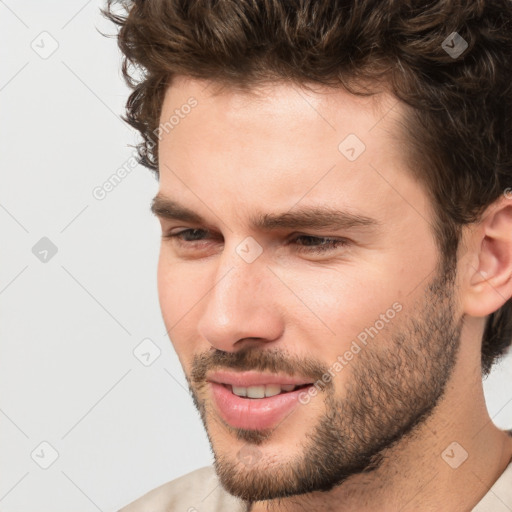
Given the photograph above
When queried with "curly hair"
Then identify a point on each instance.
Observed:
(459, 106)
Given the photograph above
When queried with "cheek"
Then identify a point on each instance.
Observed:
(180, 290)
(168, 286)
(179, 285)
(343, 305)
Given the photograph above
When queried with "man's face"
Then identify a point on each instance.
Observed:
(264, 294)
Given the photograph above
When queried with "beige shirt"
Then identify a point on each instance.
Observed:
(200, 491)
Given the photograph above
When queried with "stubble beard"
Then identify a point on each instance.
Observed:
(394, 385)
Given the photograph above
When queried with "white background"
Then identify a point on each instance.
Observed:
(68, 326)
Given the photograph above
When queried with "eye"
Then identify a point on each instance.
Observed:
(317, 244)
(192, 238)
(187, 235)
(313, 244)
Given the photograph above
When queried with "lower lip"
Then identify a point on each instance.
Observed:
(254, 413)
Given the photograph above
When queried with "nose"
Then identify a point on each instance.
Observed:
(240, 307)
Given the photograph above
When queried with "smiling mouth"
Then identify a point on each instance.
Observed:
(254, 401)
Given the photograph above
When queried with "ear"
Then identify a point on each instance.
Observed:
(488, 261)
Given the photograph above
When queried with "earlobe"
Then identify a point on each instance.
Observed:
(489, 272)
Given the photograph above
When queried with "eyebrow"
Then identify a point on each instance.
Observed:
(312, 217)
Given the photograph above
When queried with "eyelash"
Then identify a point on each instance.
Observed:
(332, 243)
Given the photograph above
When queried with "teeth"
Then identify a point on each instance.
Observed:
(272, 389)
(255, 391)
(239, 391)
(262, 391)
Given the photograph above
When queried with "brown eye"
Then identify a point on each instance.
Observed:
(187, 235)
(318, 244)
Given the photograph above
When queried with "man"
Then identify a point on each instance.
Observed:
(336, 263)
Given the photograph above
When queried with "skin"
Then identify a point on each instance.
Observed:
(275, 149)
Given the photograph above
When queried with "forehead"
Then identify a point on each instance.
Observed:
(278, 120)
(284, 144)
(282, 101)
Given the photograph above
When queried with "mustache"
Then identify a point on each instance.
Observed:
(256, 359)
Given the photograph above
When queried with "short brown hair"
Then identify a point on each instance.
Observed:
(459, 125)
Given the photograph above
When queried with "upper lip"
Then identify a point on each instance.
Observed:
(252, 378)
